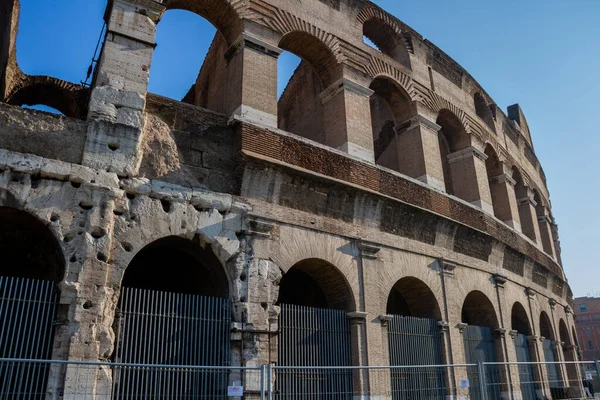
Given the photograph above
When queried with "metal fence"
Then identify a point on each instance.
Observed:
(72, 380)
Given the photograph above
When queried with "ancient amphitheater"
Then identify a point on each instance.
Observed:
(383, 206)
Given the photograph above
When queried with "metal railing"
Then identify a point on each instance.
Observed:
(72, 380)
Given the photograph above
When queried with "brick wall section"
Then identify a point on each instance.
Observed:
(475, 241)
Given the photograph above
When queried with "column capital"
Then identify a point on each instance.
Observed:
(447, 267)
(500, 280)
(368, 250)
(568, 309)
(534, 338)
(357, 316)
(249, 41)
(344, 84)
(467, 152)
(552, 303)
(500, 332)
(462, 326)
(444, 325)
(385, 319)
(417, 120)
(513, 333)
(531, 293)
(259, 226)
(503, 178)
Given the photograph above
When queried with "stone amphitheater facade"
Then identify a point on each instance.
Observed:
(375, 172)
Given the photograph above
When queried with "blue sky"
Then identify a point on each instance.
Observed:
(542, 54)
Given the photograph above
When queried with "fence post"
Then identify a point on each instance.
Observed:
(263, 373)
(481, 373)
(269, 382)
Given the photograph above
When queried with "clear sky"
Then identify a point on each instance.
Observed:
(542, 54)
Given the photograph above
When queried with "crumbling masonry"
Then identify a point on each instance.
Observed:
(376, 173)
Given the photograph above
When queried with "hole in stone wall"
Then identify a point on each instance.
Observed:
(130, 196)
(76, 185)
(87, 305)
(128, 247)
(73, 258)
(114, 146)
(54, 217)
(35, 181)
(102, 257)
(166, 205)
(98, 232)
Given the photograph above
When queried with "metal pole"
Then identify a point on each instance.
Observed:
(597, 364)
(263, 370)
(481, 373)
(269, 382)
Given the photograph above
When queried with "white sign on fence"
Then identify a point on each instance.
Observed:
(588, 376)
(464, 383)
(235, 391)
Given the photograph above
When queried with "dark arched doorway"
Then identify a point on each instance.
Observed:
(32, 265)
(525, 353)
(480, 343)
(173, 310)
(314, 330)
(413, 326)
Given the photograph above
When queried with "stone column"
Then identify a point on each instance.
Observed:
(358, 341)
(120, 85)
(419, 151)
(251, 91)
(502, 188)
(545, 227)
(527, 214)
(469, 177)
(347, 118)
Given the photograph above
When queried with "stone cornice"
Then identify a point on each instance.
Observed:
(417, 120)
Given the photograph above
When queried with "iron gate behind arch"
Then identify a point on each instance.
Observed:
(172, 329)
(27, 311)
(416, 341)
(526, 376)
(313, 337)
(481, 347)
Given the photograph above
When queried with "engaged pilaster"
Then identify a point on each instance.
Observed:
(347, 118)
(527, 212)
(469, 177)
(419, 152)
(502, 188)
(252, 80)
(118, 98)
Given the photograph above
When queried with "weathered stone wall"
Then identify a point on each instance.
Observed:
(263, 201)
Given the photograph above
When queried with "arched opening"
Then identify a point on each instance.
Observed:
(386, 40)
(314, 329)
(550, 355)
(411, 297)
(312, 68)
(413, 326)
(316, 283)
(524, 205)
(193, 71)
(452, 138)
(483, 111)
(32, 264)
(525, 353)
(500, 199)
(391, 109)
(173, 297)
(50, 95)
(480, 342)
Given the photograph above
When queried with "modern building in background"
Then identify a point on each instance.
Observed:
(587, 325)
(383, 205)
